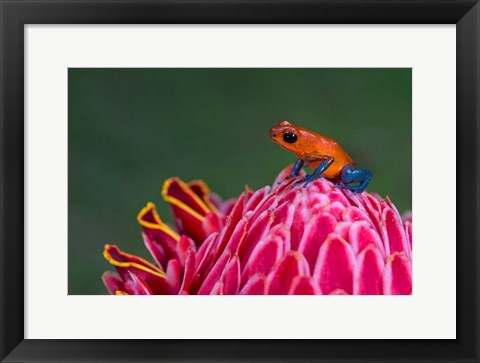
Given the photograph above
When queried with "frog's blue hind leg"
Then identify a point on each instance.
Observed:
(317, 173)
(297, 167)
(350, 175)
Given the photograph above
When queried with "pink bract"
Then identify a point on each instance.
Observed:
(280, 240)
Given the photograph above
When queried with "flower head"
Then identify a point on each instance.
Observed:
(280, 240)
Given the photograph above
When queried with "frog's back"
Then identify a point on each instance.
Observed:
(314, 143)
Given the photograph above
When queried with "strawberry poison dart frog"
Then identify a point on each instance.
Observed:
(322, 154)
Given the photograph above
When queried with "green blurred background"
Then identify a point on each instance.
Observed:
(130, 129)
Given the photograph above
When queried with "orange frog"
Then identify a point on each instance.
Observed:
(322, 154)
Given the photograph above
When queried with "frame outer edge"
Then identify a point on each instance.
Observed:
(12, 180)
(11, 183)
(468, 183)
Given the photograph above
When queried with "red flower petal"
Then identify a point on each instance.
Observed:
(214, 274)
(112, 282)
(237, 236)
(339, 292)
(361, 235)
(176, 192)
(334, 267)
(397, 278)
(188, 274)
(368, 274)
(304, 285)
(218, 288)
(317, 202)
(408, 232)
(338, 196)
(293, 197)
(266, 253)
(183, 246)
(189, 210)
(316, 232)
(372, 207)
(269, 204)
(397, 239)
(146, 272)
(255, 233)
(342, 229)
(284, 176)
(321, 185)
(201, 189)
(283, 214)
(134, 286)
(281, 278)
(353, 214)
(231, 277)
(173, 276)
(407, 217)
(212, 223)
(336, 209)
(257, 285)
(298, 225)
(190, 224)
(162, 240)
(156, 250)
(231, 224)
(204, 253)
(256, 198)
(226, 207)
(237, 211)
(282, 231)
(248, 193)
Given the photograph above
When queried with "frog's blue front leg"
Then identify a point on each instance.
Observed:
(350, 175)
(297, 167)
(317, 173)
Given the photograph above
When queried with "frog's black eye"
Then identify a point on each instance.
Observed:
(289, 137)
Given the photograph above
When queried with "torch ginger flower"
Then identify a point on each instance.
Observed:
(280, 240)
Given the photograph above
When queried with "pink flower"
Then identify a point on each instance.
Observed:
(280, 240)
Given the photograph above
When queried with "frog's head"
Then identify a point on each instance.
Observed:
(285, 134)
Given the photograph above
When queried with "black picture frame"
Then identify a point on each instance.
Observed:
(15, 14)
